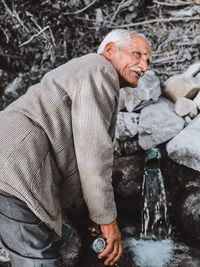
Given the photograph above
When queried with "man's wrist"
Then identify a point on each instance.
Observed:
(112, 223)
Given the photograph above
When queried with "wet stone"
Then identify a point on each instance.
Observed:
(4, 257)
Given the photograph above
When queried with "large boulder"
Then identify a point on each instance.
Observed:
(158, 123)
(179, 179)
(147, 92)
(184, 147)
(186, 84)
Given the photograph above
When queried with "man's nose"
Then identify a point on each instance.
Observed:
(143, 64)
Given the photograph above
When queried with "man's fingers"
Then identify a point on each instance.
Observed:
(108, 250)
(118, 254)
(112, 256)
(113, 252)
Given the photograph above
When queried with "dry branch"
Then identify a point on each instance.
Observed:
(174, 4)
(155, 21)
(33, 36)
(81, 10)
(15, 15)
(6, 35)
(117, 10)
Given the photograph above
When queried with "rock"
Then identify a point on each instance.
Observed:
(130, 230)
(70, 245)
(197, 2)
(197, 100)
(4, 257)
(187, 120)
(12, 87)
(147, 92)
(127, 181)
(179, 178)
(185, 106)
(190, 214)
(118, 150)
(184, 147)
(131, 147)
(186, 84)
(127, 125)
(185, 256)
(127, 147)
(158, 123)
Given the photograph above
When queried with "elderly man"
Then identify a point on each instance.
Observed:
(56, 141)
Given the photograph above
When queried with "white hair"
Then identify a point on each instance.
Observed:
(120, 37)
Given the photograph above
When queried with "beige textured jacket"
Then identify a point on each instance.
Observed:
(58, 134)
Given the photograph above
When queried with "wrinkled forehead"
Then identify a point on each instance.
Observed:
(141, 44)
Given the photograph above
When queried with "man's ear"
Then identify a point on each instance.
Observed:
(109, 49)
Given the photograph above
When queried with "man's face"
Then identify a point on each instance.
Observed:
(130, 61)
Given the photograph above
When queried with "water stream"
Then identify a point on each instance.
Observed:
(155, 222)
(155, 247)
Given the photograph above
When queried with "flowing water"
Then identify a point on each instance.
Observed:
(154, 248)
(154, 215)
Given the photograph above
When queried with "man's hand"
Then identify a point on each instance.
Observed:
(113, 248)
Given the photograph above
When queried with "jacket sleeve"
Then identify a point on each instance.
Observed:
(93, 105)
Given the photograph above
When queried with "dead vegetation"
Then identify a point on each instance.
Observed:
(37, 36)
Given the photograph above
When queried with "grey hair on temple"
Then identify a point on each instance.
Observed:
(120, 37)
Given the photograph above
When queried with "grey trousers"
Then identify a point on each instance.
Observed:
(28, 240)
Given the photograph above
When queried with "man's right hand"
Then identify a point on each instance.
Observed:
(113, 248)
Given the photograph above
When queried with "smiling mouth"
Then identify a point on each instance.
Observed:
(138, 74)
(138, 71)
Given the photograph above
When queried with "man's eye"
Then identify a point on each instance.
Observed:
(137, 54)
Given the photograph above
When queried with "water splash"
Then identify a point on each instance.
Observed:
(151, 253)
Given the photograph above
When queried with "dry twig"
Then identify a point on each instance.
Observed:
(155, 21)
(81, 10)
(33, 36)
(6, 35)
(174, 4)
